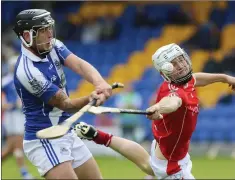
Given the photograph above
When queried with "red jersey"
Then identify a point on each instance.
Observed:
(174, 131)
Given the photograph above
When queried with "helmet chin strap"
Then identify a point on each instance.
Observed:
(184, 79)
(34, 50)
(44, 53)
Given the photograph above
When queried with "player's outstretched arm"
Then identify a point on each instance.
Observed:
(166, 105)
(63, 102)
(203, 79)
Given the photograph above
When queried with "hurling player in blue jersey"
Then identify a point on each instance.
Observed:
(13, 122)
(41, 84)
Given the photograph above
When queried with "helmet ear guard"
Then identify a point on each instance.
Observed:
(31, 38)
(167, 68)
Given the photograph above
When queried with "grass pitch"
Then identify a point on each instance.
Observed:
(120, 168)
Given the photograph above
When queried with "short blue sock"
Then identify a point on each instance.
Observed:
(23, 171)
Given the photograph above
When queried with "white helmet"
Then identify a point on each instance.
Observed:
(162, 59)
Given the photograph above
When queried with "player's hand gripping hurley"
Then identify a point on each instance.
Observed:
(61, 129)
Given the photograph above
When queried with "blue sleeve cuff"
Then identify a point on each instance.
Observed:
(62, 51)
(49, 93)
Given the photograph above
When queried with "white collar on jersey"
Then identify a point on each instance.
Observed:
(32, 56)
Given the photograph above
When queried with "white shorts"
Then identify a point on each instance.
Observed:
(160, 166)
(46, 154)
(13, 122)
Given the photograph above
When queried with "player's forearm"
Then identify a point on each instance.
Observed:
(203, 79)
(90, 73)
(63, 102)
(168, 104)
(132, 151)
(74, 105)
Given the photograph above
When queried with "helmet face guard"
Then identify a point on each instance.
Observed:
(44, 38)
(173, 63)
(40, 26)
(182, 70)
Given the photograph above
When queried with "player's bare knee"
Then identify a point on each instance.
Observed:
(61, 171)
(89, 170)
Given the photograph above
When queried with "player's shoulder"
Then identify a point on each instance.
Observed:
(59, 44)
(192, 82)
(168, 87)
(163, 90)
(19, 66)
(26, 70)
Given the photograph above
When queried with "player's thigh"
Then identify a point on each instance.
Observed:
(48, 154)
(84, 164)
(62, 171)
(88, 170)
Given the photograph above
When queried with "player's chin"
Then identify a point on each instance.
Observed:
(45, 49)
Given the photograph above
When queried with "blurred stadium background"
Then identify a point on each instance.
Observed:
(119, 38)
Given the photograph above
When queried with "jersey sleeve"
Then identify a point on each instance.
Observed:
(62, 51)
(35, 83)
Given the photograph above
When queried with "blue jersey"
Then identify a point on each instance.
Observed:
(36, 81)
(9, 90)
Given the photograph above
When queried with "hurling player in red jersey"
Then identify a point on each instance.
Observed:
(174, 118)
